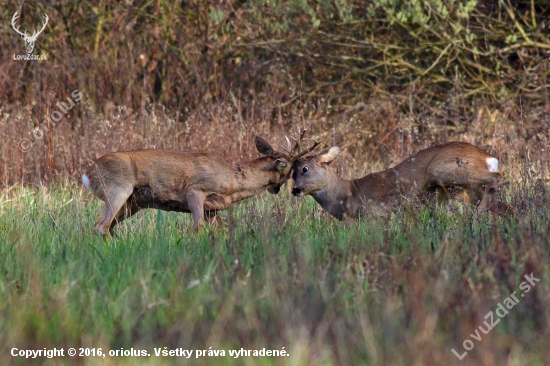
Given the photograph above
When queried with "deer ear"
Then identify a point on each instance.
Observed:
(281, 165)
(263, 146)
(327, 156)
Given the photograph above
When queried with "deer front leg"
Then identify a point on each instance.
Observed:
(195, 200)
(444, 189)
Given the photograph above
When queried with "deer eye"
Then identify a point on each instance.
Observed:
(305, 169)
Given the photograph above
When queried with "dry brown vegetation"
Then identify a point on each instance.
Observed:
(391, 78)
(375, 136)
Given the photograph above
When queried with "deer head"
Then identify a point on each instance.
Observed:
(311, 174)
(283, 160)
(29, 40)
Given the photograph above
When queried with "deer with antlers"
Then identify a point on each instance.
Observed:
(440, 169)
(29, 40)
(200, 183)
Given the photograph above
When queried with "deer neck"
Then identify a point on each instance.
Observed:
(334, 196)
(251, 179)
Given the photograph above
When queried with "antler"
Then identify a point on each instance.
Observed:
(288, 146)
(291, 150)
(306, 151)
(25, 35)
(13, 19)
(35, 34)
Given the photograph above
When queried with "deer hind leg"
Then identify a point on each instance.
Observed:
(488, 201)
(213, 218)
(114, 198)
(487, 197)
(127, 210)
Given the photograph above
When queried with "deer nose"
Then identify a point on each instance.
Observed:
(296, 191)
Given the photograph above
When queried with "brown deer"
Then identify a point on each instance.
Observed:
(454, 166)
(200, 183)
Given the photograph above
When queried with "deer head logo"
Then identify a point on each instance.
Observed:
(29, 40)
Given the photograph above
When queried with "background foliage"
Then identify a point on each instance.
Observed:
(399, 74)
(180, 53)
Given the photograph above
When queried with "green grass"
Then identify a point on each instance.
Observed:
(402, 290)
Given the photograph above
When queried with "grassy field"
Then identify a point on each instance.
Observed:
(401, 290)
(428, 285)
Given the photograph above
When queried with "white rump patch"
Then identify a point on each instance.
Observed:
(86, 182)
(492, 164)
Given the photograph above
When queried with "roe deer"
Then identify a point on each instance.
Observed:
(451, 165)
(200, 183)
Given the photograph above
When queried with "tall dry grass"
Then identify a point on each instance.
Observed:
(375, 134)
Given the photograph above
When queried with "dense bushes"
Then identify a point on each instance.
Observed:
(184, 52)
